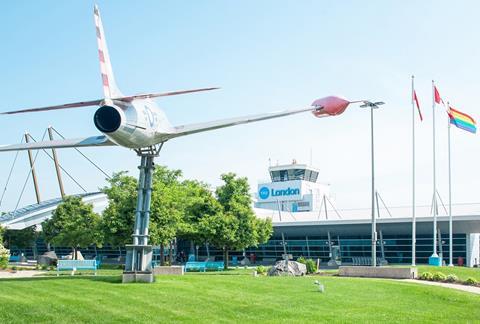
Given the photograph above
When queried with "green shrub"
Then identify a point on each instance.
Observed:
(439, 276)
(4, 256)
(311, 266)
(302, 260)
(261, 270)
(471, 281)
(426, 276)
(452, 278)
(44, 267)
(14, 268)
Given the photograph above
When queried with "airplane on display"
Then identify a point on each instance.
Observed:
(136, 122)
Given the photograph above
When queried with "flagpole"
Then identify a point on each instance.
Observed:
(435, 210)
(450, 219)
(414, 225)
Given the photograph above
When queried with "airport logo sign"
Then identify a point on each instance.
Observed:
(265, 192)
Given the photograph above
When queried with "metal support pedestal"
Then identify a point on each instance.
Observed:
(138, 263)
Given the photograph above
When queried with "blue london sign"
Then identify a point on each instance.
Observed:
(266, 192)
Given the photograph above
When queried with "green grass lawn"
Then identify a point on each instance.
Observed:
(461, 272)
(232, 296)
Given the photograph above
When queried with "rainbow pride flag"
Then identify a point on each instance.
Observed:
(462, 120)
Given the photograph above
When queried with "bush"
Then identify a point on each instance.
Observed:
(452, 278)
(261, 270)
(4, 256)
(302, 260)
(439, 276)
(311, 266)
(426, 276)
(471, 281)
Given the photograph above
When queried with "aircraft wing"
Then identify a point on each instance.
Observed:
(202, 127)
(64, 143)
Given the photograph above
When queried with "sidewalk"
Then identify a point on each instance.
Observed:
(470, 289)
(20, 274)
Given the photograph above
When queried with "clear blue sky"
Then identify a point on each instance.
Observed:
(266, 55)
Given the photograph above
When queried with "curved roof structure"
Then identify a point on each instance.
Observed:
(35, 214)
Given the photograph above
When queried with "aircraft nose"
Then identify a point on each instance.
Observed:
(331, 105)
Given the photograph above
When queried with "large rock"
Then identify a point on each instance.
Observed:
(48, 258)
(294, 269)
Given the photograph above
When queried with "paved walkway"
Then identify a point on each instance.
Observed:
(471, 289)
(20, 274)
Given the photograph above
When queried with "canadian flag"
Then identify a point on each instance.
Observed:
(437, 97)
(418, 105)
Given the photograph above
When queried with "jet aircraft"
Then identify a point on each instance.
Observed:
(137, 122)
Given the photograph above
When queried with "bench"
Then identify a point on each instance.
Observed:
(75, 265)
(204, 266)
(215, 265)
(195, 265)
(366, 261)
(14, 258)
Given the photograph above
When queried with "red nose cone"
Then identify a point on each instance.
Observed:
(330, 106)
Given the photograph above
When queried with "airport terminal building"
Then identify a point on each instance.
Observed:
(307, 224)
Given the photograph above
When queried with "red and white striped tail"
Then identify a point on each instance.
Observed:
(110, 89)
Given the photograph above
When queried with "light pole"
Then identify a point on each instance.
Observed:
(372, 106)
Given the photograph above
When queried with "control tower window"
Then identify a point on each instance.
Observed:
(294, 174)
(275, 175)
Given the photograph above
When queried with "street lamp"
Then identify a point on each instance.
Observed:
(372, 106)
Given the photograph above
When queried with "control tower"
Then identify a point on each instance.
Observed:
(294, 187)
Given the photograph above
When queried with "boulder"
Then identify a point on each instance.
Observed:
(48, 258)
(294, 269)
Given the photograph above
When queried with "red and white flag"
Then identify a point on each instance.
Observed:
(437, 97)
(418, 105)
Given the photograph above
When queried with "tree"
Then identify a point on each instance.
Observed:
(166, 211)
(220, 230)
(2, 231)
(119, 216)
(199, 203)
(167, 207)
(73, 224)
(21, 239)
(234, 196)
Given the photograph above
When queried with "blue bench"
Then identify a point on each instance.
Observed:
(195, 265)
(74, 265)
(14, 258)
(204, 266)
(215, 265)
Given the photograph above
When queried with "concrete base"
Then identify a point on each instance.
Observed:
(145, 277)
(378, 272)
(173, 270)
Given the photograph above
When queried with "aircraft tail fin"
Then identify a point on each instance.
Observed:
(110, 89)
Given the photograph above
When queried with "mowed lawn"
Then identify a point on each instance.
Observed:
(230, 297)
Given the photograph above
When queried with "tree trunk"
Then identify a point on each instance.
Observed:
(74, 257)
(225, 258)
(162, 255)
